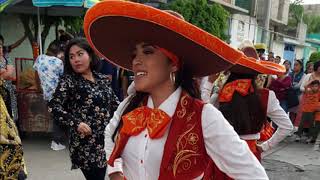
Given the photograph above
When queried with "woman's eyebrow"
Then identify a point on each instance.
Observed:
(147, 45)
(77, 52)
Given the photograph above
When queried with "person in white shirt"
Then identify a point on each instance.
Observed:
(163, 130)
(49, 69)
(247, 107)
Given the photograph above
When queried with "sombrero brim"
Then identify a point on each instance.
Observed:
(113, 28)
(249, 65)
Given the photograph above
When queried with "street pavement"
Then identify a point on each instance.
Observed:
(46, 164)
(288, 161)
(292, 161)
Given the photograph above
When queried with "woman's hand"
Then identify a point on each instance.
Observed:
(84, 129)
(116, 176)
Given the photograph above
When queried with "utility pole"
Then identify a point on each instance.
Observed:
(266, 21)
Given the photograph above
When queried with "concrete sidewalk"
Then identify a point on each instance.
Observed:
(288, 161)
(292, 161)
(46, 164)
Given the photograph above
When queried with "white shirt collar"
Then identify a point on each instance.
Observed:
(170, 104)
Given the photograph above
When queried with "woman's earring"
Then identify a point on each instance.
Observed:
(173, 78)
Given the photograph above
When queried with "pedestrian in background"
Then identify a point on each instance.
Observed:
(271, 56)
(49, 69)
(309, 67)
(83, 103)
(308, 78)
(261, 49)
(297, 76)
(280, 86)
(12, 164)
(287, 65)
(309, 107)
(7, 73)
(277, 60)
(112, 73)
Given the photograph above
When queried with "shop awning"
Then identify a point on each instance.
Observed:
(73, 3)
(4, 4)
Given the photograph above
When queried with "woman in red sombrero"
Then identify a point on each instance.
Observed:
(246, 107)
(163, 131)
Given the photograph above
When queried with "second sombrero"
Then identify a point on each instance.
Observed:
(252, 65)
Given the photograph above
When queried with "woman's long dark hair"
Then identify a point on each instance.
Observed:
(183, 79)
(244, 113)
(82, 43)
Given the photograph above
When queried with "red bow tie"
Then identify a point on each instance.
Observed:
(155, 120)
(242, 86)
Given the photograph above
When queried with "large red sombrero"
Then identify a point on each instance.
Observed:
(114, 27)
(251, 64)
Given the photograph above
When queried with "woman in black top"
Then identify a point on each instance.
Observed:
(83, 103)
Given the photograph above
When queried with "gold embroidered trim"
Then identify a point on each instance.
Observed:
(181, 113)
(183, 154)
(193, 139)
(190, 116)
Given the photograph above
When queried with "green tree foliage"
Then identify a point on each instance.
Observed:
(73, 25)
(314, 57)
(296, 10)
(295, 14)
(313, 22)
(209, 17)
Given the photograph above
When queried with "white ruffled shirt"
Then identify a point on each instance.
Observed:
(142, 156)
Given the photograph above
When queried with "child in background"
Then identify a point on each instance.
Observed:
(310, 109)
